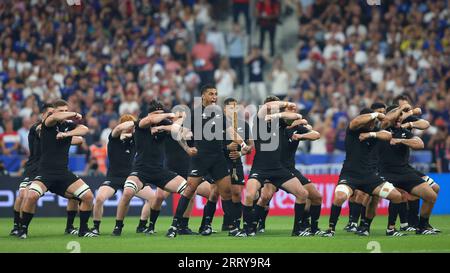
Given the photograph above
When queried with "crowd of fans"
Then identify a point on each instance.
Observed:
(107, 58)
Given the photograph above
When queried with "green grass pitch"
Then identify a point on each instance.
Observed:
(46, 236)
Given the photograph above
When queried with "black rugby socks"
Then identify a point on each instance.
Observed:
(181, 208)
(299, 210)
(314, 210)
(355, 211)
(208, 213)
(84, 218)
(26, 220)
(154, 214)
(403, 212)
(393, 212)
(97, 224)
(247, 213)
(16, 218)
(334, 216)
(413, 212)
(71, 214)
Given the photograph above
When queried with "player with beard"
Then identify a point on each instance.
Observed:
(409, 211)
(121, 152)
(56, 134)
(268, 130)
(147, 168)
(210, 160)
(359, 171)
(31, 171)
(394, 166)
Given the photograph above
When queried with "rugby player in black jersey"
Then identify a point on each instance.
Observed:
(148, 165)
(268, 131)
(31, 170)
(56, 135)
(409, 218)
(207, 125)
(298, 131)
(359, 201)
(177, 159)
(394, 166)
(121, 152)
(233, 155)
(359, 171)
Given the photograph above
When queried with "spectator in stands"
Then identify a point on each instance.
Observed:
(236, 44)
(439, 144)
(256, 62)
(202, 10)
(23, 132)
(98, 153)
(10, 139)
(105, 133)
(242, 6)
(203, 55)
(217, 39)
(280, 78)
(339, 135)
(129, 105)
(92, 168)
(225, 77)
(267, 13)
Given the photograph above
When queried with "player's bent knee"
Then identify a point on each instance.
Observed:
(341, 194)
(83, 191)
(340, 198)
(88, 197)
(386, 189)
(436, 188)
(394, 196)
(130, 185)
(431, 197)
(316, 199)
(182, 187)
(35, 191)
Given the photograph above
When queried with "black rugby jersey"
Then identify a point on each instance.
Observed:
(120, 156)
(360, 159)
(149, 148)
(268, 144)
(208, 145)
(289, 146)
(34, 146)
(55, 152)
(395, 157)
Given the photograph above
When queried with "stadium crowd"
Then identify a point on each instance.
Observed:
(107, 59)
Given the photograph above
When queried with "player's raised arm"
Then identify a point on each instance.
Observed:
(61, 116)
(155, 118)
(80, 130)
(274, 105)
(283, 115)
(393, 115)
(381, 135)
(311, 135)
(415, 123)
(123, 127)
(363, 119)
(415, 143)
